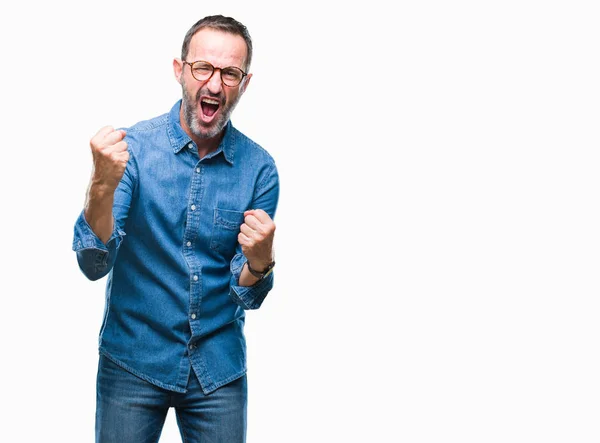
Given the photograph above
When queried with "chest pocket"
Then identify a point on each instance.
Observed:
(226, 227)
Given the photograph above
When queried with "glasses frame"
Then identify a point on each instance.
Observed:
(214, 68)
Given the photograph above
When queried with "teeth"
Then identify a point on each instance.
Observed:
(210, 101)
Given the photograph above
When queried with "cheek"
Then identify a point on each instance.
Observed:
(191, 90)
(189, 86)
(231, 96)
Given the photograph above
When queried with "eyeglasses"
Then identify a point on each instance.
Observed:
(203, 71)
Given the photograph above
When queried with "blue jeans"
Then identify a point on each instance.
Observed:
(131, 410)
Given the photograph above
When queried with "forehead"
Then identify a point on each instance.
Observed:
(217, 47)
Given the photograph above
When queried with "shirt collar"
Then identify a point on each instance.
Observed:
(179, 139)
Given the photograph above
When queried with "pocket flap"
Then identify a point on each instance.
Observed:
(229, 219)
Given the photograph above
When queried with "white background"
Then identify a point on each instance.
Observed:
(437, 241)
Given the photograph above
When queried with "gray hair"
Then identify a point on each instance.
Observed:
(219, 23)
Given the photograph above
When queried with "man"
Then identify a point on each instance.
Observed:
(179, 214)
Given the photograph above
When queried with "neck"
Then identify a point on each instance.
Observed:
(207, 145)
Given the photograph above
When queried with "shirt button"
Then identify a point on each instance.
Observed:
(193, 316)
(198, 170)
(189, 243)
(191, 346)
(193, 207)
(195, 278)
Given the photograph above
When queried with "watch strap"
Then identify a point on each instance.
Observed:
(263, 274)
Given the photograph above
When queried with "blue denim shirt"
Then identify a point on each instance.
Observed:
(173, 260)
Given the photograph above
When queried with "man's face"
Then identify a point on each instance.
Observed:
(207, 105)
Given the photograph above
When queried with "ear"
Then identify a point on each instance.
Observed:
(245, 83)
(177, 69)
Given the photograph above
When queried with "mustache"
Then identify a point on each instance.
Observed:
(207, 93)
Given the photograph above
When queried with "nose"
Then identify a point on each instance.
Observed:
(214, 82)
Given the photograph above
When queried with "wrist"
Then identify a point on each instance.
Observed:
(258, 266)
(99, 189)
(260, 270)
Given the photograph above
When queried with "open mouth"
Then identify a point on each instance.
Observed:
(209, 107)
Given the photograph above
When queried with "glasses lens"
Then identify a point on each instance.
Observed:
(202, 70)
(232, 76)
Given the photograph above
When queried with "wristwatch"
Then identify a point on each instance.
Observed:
(263, 274)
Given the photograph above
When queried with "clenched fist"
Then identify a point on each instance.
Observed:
(109, 152)
(256, 237)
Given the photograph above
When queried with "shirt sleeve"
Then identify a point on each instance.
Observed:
(95, 258)
(266, 198)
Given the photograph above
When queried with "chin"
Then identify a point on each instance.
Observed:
(204, 132)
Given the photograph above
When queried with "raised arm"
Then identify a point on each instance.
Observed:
(256, 245)
(109, 152)
(98, 230)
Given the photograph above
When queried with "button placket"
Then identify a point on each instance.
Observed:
(194, 268)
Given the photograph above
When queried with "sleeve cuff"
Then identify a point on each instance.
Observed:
(85, 238)
(94, 257)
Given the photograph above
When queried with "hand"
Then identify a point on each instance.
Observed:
(256, 237)
(109, 152)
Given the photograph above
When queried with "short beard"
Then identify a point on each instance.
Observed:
(190, 112)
